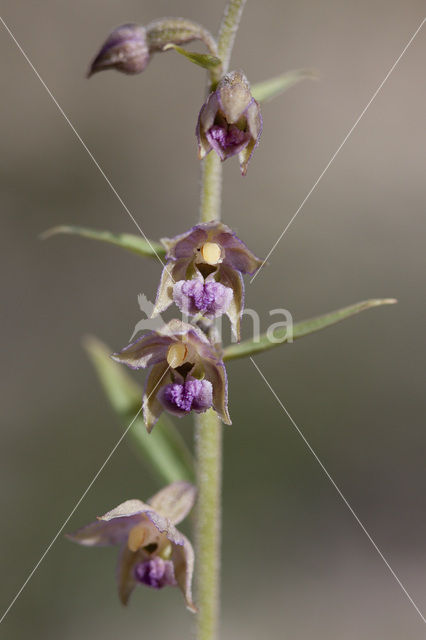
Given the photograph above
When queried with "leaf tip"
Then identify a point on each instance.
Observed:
(382, 301)
(48, 233)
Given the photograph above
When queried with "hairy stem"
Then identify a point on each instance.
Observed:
(228, 30)
(208, 439)
(208, 427)
(211, 188)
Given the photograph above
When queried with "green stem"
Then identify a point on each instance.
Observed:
(228, 30)
(208, 427)
(208, 440)
(211, 188)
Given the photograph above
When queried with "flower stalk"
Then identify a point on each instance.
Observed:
(208, 451)
(211, 188)
(208, 427)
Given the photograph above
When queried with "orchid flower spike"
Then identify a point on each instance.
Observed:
(152, 551)
(186, 374)
(230, 121)
(203, 273)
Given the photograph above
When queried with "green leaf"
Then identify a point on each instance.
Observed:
(269, 89)
(129, 241)
(300, 329)
(164, 449)
(204, 60)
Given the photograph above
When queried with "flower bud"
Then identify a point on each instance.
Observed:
(230, 121)
(125, 49)
(130, 47)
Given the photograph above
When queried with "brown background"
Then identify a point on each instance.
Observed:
(296, 564)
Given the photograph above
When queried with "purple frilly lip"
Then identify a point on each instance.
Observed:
(208, 297)
(156, 573)
(227, 140)
(180, 398)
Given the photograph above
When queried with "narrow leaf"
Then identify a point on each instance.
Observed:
(164, 448)
(204, 60)
(300, 329)
(129, 241)
(269, 89)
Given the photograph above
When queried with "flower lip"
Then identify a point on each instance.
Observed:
(190, 395)
(227, 140)
(205, 296)
(156, 573)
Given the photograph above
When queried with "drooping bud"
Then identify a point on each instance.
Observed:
(125, 49)
(230, 121)
(191, 395)
(130, 47)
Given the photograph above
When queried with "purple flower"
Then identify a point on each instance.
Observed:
(152, 551)
(186, 373)
(126, 49)
(230, 121)
(207, 255)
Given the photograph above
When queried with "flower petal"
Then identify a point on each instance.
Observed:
(174, 501)
(152, 407)
(163, 525)
(206, 120)
(172, 272)
(237, 254)
(255, 126)
(183, 561)
(233, 279)
(134, 508)
(215, 372)
(126, 509)
(112, 528)
(184, 245)
(125, 577)
(234, 95)
(146, 351)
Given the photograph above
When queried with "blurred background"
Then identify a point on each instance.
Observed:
(296, 564)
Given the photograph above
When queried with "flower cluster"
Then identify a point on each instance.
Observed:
(203, 277)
